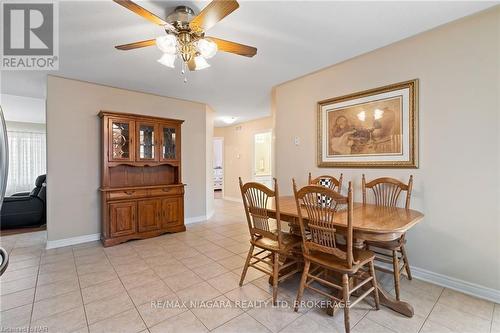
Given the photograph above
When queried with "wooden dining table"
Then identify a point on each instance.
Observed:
(370, 223)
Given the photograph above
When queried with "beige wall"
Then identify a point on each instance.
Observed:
(73, 143)
(209, 161)
(457, 184)
(238, 153)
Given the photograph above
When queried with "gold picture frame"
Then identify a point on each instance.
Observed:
(376, 128)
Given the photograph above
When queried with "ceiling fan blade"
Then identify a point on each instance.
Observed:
(232, 47)
(213, 13)
(136, 45)
(130, 5)
(191, 64)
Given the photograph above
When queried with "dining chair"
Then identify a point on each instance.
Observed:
(321, 249)
(386, 192)
(327, 181)
(277, 251)
(4, 263)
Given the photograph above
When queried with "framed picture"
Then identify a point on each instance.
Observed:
(377, 128)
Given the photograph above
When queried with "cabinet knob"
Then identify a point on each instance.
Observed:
(129, 192)
(166, 189)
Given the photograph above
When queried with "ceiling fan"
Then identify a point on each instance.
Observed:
(185, 34)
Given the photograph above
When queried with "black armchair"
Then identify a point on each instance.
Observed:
(26, 209)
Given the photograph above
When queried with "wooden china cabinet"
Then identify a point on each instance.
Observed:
(142, 190)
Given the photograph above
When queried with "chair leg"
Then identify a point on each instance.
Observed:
(374, 284)
(395, 266)
(276, 263)
(407, 263)
(247, 262)
(345, 291)
(302, 285)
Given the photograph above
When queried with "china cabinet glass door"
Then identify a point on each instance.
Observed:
(121, 133)
(169, 147)
(146, 136)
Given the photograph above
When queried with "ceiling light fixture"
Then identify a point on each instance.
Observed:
(191, 50)
(185, 35)
(228, 120)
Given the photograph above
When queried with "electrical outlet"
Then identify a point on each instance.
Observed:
(296, 140)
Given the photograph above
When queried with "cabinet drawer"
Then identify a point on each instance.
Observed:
(127, 194)
(166, 191)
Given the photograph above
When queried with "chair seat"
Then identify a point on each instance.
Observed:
(389, 245)
(289, 241)
(334, 263)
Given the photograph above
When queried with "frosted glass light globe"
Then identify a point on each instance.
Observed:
(167, 44)
(201, 63)
(167, 60)
(207, 48)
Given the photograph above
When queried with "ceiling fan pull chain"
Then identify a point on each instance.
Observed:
(184, 72)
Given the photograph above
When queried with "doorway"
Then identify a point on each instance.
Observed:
(218, 167)
(262, 161)
(24, 206)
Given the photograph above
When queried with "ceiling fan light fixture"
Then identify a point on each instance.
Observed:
(167, 44)
(207, 48)
(167, 60)
(201, 63)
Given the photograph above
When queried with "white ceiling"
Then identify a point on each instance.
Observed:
(293, 38)
(23, 109)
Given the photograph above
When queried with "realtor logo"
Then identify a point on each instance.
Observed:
(29, 39)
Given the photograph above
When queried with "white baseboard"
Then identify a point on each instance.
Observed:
(201, 218)
(72, 241)
(462, 286)
(233, 199)
(94, 237)
(465, 287)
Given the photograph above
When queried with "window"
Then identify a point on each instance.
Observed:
(27, 160)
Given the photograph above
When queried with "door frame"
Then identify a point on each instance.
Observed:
(221, 138)
(270, 130)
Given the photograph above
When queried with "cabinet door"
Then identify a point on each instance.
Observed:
(171, 211)
(170, 142)
(122, 217)
(149, 215)
(120, 140)
(147, 141)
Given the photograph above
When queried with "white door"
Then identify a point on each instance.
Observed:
(262, 163)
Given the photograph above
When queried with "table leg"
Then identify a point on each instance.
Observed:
(392, 303)
(386, 299)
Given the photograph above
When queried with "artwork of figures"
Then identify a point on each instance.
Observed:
(376, 128)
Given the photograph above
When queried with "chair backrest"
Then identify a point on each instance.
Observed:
(255, 201)
(386, 191)
(327, 181)
(4, 256)
(40, 180)
(320, 220)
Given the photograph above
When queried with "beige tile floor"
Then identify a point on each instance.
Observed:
(88, 288)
